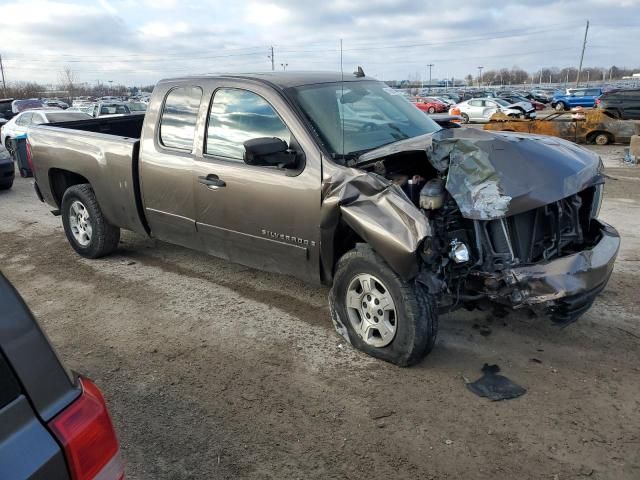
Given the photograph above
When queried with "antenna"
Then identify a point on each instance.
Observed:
(342, 98)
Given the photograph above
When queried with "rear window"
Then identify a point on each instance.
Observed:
(67, 117)
(9, 387)
(178, 122)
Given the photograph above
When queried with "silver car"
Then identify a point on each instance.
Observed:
(481, 109)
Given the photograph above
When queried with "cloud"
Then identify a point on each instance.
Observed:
(139, 42)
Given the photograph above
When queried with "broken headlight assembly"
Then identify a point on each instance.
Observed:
(459, 252)
(597, 200)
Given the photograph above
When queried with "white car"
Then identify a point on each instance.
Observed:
(481, 109)
(20, 124)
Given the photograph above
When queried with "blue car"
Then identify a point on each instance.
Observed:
(576, 97)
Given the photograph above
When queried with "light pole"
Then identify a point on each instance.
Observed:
(430, 65)
(110, 86)
(480, 76)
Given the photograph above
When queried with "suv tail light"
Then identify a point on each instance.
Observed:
(88, 439)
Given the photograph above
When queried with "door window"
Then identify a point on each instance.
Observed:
(37, 119)
(179, 115)
(476, 103)
(24, 119)
(237, 116)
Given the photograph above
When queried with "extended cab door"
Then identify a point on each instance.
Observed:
(166, 163)
(265, 217)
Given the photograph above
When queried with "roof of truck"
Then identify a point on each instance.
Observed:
(283, 79)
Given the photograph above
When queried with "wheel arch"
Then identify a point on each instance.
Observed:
(60, 180)
(591, 136)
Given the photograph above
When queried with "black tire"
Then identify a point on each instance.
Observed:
(10, 147)
(6, 186)
(417, 312)
(431, 110)
(601, 138)
(104, 238)
(465, 118)
(560, 107)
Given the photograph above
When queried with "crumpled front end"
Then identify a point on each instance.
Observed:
(564, 286)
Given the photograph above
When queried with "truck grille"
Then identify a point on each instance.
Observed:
(544, 233)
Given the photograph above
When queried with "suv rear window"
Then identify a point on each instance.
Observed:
(9, 387)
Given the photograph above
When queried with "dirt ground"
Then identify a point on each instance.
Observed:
(213, 370)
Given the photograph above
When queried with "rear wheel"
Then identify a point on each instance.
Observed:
(378, 312)
(88, 232)
(601, 138)
(431, 110)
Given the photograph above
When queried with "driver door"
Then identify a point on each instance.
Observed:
(265, 217)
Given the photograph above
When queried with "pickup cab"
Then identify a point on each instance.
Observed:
(343, 182)
(576, 97)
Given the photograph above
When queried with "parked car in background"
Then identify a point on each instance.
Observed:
(576, 97)
(453, 97)
(7, 169)
(524, 103)
(430, 105)
(82, 108)
(18, 106)
(137, 107)
(542, 96)
(110, 109)
(445, 100)
(53, 425)
(481, 109)
(587, 126)
(19, 124)
(54, 102)
(623, 104)
(5, 109)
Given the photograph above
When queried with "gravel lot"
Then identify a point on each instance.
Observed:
(213, 370)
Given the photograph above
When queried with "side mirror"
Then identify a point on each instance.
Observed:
(269, 151)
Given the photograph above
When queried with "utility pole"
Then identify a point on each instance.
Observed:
(4, 85)
(430, 65)
(273, 64)
(480, 76)
(584, 45)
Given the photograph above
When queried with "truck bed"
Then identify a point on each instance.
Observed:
(100, 151)
(129, 126)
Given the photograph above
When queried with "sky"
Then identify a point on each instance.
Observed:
(137, 42)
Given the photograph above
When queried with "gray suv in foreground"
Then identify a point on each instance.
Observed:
(53, 425)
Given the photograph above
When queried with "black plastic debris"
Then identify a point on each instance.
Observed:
(495, 387)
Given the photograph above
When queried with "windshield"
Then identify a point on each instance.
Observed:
(502, 102)
(22, 105)
(373, 115)
(138, 107)
(114, 109)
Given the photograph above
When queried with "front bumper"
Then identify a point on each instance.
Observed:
(566, 284)
(531, 114)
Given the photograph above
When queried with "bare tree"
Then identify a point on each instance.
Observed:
(67, 81)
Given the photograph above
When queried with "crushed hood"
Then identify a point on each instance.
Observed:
(496, 174)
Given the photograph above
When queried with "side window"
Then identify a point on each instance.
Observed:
(237, 116)
(24, 119)
(37, 119)
(475, 103)
(179, 115)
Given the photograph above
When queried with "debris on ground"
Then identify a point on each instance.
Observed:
(495, 387)
(378, 413)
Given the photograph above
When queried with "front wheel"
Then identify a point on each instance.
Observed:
(465, 118)
(88, 232)
(431, 110)
(601, 139)
(378, 312)
(560, 107)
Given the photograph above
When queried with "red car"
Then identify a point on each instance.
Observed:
(430, 105)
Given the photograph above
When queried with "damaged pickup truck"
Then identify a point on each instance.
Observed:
(341, 182)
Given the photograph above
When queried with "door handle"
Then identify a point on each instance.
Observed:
(212, 181)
